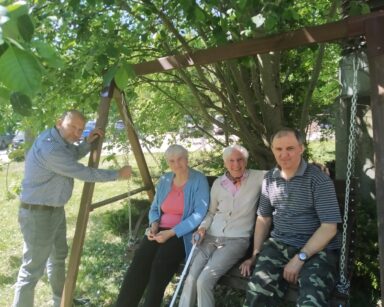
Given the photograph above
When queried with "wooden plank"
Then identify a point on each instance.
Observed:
(346, 28)
(86, 199)
(135, 143)
(117, 198)
(375, 42)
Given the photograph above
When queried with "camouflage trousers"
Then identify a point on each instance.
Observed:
(315, 283)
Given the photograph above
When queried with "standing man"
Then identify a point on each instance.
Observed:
(50, 167)
(300, 201)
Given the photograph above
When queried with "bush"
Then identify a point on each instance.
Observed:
(366, 276)
(117, 221)
(17, 155)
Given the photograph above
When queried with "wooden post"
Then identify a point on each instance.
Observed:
(375, 42)
(86, 200)
(134, 141)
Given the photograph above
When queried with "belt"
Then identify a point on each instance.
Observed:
(36, 207)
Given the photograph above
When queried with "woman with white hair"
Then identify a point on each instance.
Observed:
(226, 230)
(179, 206)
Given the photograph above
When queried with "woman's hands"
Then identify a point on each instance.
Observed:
(201, 234)
(153, 233)
(164, 235)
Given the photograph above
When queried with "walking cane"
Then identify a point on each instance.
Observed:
(196, 238)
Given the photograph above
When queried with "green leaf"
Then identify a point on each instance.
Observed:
(113, 52)
(20, 71)
(271, 22)
(25, 27)
(21, 103)
(49, 54)
(17, 9)
(3, 47)
(4, 95)
(108, 76)
(74, 4)
(123, 75)
(242, 4)
(199, 15)
(11, 29)
(365, 8)
(219, 35)
(187, 5)
(357, 8)
(102, 60)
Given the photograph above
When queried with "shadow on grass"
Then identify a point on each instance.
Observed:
(14, 264)
(7, 280)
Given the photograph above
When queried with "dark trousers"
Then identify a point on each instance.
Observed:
(152, 268)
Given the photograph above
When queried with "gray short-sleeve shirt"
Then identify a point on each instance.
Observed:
(299, 205)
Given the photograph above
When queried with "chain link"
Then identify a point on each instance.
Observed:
(344, 283)
(132, 240)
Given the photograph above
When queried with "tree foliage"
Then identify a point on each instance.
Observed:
(98, 40)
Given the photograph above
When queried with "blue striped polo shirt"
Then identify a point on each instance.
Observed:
(299, 205)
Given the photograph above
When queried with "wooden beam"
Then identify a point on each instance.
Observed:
(86, 199)
(375, 43)
(117, 198)
(135, 143)
(347, 28)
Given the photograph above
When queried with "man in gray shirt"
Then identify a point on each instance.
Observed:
(50, 168)
(299, 201)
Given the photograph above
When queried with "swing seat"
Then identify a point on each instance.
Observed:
(234, 279)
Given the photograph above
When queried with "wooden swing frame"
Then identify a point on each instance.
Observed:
(370, 26)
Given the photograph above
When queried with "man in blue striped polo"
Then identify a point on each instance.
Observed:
(298, 202)
(50, 167)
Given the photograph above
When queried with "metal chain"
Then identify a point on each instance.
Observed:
(131, 239)
(344, 283)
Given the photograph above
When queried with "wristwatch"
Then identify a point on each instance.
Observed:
(303, 256)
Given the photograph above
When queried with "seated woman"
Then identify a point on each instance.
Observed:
(179, 206)
(226, 230)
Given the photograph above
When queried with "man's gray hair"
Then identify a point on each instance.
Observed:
(285, 131)
(73, 113)
(176, 150)
(228, 151)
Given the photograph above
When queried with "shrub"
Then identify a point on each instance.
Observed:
(17, 155)
(117, 221)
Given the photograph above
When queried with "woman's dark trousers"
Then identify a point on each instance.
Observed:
(151, 269)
